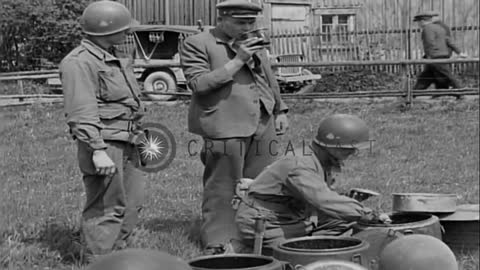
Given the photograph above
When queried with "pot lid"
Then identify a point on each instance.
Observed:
(464, 212)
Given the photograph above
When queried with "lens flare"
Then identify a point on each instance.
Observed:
(151, 148)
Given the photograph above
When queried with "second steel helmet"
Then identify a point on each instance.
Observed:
(343, 131)
(105, 17)
(417, 252)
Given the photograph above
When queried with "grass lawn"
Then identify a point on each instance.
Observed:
(434, 147)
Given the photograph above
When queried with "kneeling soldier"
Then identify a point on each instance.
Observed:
(294, 191)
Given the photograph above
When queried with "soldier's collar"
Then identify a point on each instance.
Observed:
(96, 50)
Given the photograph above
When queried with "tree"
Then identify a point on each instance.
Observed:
(34, 31)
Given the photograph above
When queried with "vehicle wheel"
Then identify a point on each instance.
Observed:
(307, 86)
(162, 82)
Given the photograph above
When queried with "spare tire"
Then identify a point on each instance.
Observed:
(161, 82)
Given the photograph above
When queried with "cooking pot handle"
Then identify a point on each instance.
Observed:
(289, 266)
(357, 258)
(442, 229)
(393, 233)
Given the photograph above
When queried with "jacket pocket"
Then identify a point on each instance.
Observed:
(113, 86)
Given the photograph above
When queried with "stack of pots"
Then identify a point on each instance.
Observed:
(459, 223)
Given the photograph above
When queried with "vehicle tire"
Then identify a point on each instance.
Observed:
(162, 82)
(307, 86)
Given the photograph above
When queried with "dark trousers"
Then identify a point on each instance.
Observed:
(111, 209)
(226, 161)
(438, 74)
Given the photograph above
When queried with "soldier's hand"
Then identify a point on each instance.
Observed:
(102, 162)
(463, 55)
(248, 47)
(384, 218)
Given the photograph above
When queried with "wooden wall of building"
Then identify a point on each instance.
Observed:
(380, 29)
(182, 12)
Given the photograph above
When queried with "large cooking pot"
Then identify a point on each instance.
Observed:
(461, 229)
(305, 250)
(378, 235)
(424, 202)
(422, 223)
(237, 261)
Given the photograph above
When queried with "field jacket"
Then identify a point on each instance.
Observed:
(101, 95)
(292, 188)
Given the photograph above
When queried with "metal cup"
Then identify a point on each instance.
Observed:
(260, 33)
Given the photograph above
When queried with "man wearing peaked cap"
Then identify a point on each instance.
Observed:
(236, 108)
(425, 15)
(437, 44)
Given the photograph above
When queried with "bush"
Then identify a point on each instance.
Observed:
(36, 33)
(365, 79)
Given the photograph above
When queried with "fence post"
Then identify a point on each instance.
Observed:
(20, 86)
(408, 90)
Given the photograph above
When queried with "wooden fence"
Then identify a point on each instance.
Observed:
(374, 29)
(300, 41)
(382, 29)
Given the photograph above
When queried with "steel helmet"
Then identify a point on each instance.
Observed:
(105, 17)
(417, 252)
(139, 259)
(343, 131)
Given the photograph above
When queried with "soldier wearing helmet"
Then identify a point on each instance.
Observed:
(294, 195)
(102, 107)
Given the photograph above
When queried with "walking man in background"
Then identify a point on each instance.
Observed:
(102, 107)
(236, 108)
(437, 44)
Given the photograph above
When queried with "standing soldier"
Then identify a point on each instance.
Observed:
(236, 108)
(102, 107)
(295, 194)
(437, 44)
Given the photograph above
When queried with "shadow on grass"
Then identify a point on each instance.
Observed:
(65, 240)
(168, 225)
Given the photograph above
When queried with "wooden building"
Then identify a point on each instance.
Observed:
(332, 30)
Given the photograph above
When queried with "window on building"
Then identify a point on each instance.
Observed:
(335, 28)
(327, 27)
(342, 28)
